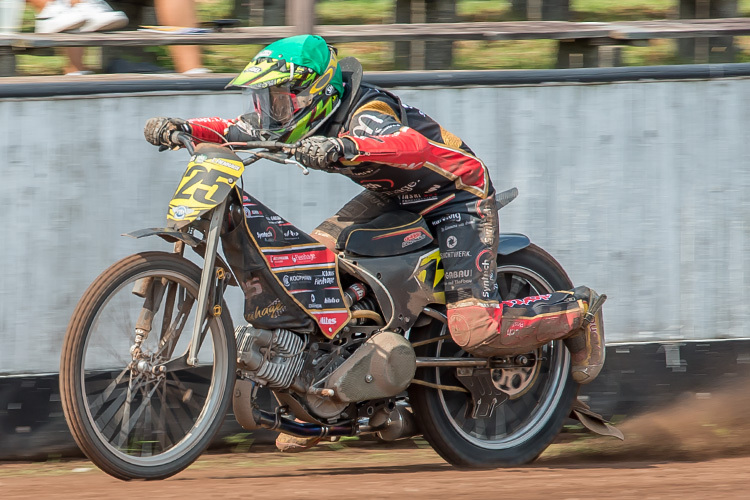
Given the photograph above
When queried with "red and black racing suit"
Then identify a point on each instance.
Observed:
(425, 169)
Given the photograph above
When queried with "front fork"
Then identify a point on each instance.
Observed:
(212, 244)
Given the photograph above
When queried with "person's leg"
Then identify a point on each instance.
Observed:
(75, 54)
(467, 235)
(38, 5)
(362, 208)
(180, 13)
(75, 60)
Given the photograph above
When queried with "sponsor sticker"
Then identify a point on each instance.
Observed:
(268, 234)
(180, 212)
(455, 217)
(412, 238)
(223, 163)
(462, 273)
(526, 300)
(272, 310)
(290, 279)
(455, 254)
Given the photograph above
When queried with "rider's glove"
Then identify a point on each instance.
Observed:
(320, 152)
(158, 131)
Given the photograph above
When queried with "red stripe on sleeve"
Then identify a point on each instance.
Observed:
(211, 129)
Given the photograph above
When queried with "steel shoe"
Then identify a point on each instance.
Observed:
(586, 345)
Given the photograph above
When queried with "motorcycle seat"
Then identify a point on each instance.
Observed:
(393, 233)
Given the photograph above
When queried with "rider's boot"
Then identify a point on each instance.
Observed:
(292, 444)
(586, 345)
(522, 325)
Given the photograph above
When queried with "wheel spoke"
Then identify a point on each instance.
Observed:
(174, 331)
(129, 421)
(104, 396)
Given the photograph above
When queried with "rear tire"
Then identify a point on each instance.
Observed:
(131, 420)
(522, 427)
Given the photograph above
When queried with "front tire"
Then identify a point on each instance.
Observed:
(539, 397)
(130, 417)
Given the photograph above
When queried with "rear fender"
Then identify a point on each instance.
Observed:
(173, 235)
(509, 243)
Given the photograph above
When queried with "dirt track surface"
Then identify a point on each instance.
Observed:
(380, 473)
(698, 449)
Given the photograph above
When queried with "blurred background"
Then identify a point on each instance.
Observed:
(467, 54)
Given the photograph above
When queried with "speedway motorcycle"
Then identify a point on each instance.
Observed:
(350, 342)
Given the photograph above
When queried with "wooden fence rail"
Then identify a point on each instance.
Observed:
(577, 40)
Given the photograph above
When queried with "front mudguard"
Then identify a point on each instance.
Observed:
(509, 243)
(173, 235)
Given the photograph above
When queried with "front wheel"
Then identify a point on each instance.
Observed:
(135, 407)
(539, 396)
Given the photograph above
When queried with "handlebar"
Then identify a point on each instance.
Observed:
(271, 145)
(187, 141)
(272, 153)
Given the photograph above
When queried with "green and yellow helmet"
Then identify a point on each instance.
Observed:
(293, 86)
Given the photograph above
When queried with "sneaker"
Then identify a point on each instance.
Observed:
(58, 16)
(197, 71)
(99, 16)
(586, 346)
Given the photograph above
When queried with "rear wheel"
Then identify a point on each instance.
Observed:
(135, 408)
(539, 395)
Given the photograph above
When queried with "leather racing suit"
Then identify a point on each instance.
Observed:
(407, 161)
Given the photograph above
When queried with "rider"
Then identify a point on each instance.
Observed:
(296, 92)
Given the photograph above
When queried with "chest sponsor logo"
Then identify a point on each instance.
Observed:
(451, 242)
(354, 172)
(409, 199)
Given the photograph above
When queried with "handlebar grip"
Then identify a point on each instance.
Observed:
(184, 138)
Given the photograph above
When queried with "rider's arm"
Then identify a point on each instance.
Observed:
(219, 130)
(380, 137)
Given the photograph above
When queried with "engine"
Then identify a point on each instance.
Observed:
(272, 357)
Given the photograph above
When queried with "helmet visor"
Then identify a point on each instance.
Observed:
(273, 108)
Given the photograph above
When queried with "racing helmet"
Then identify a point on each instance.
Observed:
(291, 87)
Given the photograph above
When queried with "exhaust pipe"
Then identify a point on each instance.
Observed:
(276, 422)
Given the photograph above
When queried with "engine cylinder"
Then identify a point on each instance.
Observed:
(270, 357)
